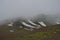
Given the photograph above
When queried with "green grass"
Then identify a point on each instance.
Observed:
(21, 34)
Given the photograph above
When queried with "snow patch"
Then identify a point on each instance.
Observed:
(32, 22)
(43, 24)
(25, 24)
(11, 24)
(11, 30)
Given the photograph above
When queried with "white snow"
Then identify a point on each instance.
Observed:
(57, 22)
(11, 24)
(37, 26)
(32, 22)
(27, 25)
(11, 30)
(43, 24)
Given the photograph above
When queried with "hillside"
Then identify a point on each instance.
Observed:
(48, 33)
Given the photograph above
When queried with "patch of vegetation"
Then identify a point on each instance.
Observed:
(22, 34)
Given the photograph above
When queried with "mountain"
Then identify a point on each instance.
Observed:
(48, 19)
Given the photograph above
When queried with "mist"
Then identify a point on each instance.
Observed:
(27, 8)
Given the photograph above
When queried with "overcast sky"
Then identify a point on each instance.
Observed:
(27, 8)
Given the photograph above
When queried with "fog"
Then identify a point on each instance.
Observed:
(27, 8)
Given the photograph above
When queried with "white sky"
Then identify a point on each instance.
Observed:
(27, 8)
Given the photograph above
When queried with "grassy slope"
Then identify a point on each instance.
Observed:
(47, 33)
